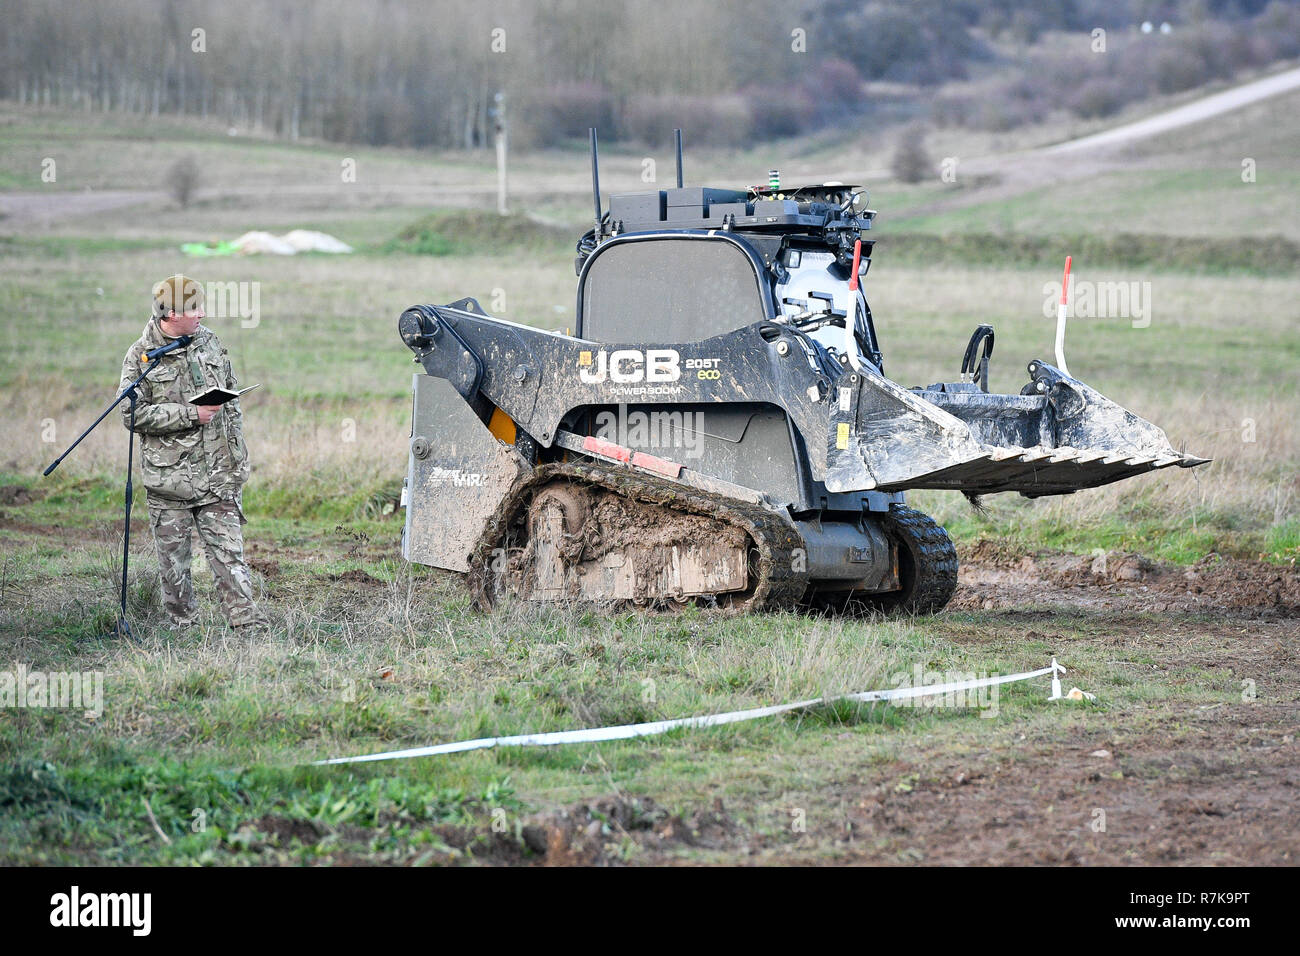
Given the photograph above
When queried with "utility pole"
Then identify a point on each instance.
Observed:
(499, 114)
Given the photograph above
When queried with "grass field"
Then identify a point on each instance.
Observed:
(200, 753)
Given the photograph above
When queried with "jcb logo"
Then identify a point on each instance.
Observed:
(628, 366)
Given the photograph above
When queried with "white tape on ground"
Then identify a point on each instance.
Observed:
(627, 731)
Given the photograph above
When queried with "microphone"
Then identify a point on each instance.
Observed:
(178, 343)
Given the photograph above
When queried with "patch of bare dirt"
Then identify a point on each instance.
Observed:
(267, 567)
(611, 831)
(84, 535)
(282, 831)
(357, 576)
(1223, 793)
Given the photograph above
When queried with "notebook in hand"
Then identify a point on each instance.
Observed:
(219, 396)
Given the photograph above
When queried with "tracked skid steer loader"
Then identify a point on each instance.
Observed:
(719, 428)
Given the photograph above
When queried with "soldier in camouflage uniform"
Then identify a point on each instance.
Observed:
(193, 458)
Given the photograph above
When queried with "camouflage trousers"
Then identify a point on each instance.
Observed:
(219, 525)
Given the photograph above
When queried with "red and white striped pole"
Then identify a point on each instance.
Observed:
(1060, 318)
(850, 317)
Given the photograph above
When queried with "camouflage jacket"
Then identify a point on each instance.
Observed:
(181, 460)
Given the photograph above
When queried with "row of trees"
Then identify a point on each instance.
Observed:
(1099, 76)
(426, 73)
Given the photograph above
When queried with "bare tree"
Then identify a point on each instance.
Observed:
(911, 162)
(337, 70)
(183, 179)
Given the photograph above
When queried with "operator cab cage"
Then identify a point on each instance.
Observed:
(681, 265)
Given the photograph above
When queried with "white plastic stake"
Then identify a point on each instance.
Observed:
(1057, 671)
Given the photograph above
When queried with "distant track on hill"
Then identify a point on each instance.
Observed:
(1015, 173)
(1196, 112)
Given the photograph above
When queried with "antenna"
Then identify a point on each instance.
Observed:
(595, 181)
(678, 134)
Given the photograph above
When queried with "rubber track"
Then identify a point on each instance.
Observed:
(779, 585)
(936, 559)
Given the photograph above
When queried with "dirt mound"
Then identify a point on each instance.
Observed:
(267, 567)
(1243, 583)
(18, 495)
(614, 830)
(994, 574)
(471, 232)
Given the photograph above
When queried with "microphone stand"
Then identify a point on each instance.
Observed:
(123, 628)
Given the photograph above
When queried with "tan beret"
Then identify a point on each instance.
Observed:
(178, 294)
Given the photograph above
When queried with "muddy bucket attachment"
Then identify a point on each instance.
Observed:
(457, 474)
(1056, 437)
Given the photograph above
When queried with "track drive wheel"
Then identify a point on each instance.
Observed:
(927, 569)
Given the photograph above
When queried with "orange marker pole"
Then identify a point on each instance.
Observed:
(1061, 310)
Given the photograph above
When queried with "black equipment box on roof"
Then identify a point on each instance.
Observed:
(703, 207)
